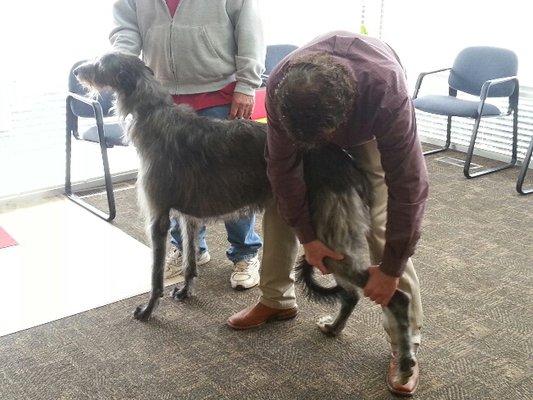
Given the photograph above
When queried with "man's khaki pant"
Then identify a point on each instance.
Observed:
(281, 248)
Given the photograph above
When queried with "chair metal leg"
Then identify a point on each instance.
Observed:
(68, 150)
(109, 190)
(470, 152)
(523, 171)
(108, 183)
(107, 177)
(448, 140)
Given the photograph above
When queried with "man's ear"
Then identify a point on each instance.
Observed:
(127, 82)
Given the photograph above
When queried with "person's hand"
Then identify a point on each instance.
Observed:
(315, 252)
(380, 286)
(242, 106)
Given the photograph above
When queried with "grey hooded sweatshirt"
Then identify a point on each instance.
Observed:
(206, 45)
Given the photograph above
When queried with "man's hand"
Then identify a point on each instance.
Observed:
(241, 106)
(380, 286)
(315, 252)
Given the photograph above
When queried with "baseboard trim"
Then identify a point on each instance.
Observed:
(19, 199)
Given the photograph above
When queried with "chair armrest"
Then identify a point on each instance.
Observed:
(491, 82)
(98, 113)
(97, 108)
(421, 77)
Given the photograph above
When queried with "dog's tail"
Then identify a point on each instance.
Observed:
(313, 290)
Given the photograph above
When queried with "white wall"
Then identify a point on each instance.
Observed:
(429, 34)
(299, 21)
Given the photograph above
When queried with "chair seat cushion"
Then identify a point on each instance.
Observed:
(114, 135)
(452, 106)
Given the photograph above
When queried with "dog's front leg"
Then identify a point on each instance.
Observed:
(189, 235)
(399, 308)
(158, 231)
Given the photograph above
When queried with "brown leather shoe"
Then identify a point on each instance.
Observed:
(407, 389)
(258, 315)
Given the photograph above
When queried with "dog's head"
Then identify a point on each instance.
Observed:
(118, 71)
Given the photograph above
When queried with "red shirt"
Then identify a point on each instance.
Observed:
(172, 6)
(199, 101)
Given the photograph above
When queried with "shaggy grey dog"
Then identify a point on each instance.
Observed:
(213, 169)
(339, 195)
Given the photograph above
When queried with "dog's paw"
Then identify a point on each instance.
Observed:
(142, 313)
(180, 293)
(325, 324)
(405, 370)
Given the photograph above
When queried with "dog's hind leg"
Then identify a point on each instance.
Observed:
(331, 327)
(349, 300)
(158, 231)
(398, 307)
(189, 229)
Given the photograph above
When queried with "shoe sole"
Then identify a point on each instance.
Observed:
(271, 319)
(240, 288)
(400, 393)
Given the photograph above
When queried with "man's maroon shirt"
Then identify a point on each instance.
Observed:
(383, 111)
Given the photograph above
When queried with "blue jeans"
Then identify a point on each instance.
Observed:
(244, 241)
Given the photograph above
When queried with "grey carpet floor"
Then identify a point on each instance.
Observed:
(474, 262)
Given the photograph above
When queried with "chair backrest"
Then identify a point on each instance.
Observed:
(105, 97)
(275, 53)
(474, 66)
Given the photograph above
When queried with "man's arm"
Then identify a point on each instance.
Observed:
(285, 172)
(407, 182)
(250, 57)
(125, 34)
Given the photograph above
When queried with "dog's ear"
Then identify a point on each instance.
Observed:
(127, 81)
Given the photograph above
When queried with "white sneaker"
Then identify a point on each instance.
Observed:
(245, 274)
(173, 262)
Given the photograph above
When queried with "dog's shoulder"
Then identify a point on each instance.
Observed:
(330, 168)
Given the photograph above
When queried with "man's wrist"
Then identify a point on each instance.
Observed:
(244, 88)
(392, 267)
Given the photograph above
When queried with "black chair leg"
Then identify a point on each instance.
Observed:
(68, 151)
(448, 140)
(523, 171)
(470, 152)
(108, 184)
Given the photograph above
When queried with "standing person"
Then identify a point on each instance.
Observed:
(208, 54)
(350, 90)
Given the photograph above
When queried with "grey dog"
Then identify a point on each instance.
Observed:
(215, 169)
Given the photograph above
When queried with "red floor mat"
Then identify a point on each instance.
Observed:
(5, 239)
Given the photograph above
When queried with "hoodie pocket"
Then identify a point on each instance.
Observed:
(196, 58)
(156, 54)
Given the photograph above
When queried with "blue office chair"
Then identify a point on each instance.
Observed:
(107, 135)
(480, 71)
(274, 54)
(523, 171)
